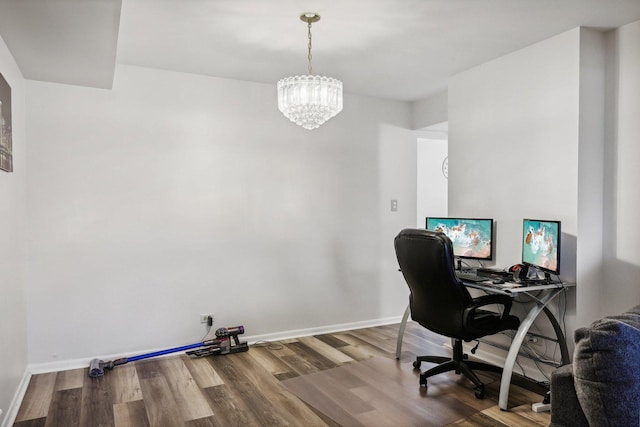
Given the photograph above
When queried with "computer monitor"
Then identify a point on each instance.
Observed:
(541, 245)
(471, 237)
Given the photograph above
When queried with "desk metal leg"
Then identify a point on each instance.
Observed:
(564, 350)
(403, 324)
(514, 349)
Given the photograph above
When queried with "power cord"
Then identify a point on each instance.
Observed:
(209, 325)
(268, 344)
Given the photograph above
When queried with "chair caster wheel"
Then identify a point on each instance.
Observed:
(416, 364)
(479, 392)
(423, 381)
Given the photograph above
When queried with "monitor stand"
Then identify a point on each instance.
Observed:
(459, 267)
(524, 277)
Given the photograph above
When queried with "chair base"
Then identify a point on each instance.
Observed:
(457, 363)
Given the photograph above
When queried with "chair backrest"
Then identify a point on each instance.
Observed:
(438, 299)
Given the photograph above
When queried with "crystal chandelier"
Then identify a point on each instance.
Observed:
(309, 100)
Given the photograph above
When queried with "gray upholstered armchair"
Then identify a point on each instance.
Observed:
(602, 385)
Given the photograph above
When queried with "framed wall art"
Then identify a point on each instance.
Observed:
(6, 144)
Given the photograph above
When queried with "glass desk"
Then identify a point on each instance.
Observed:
(542, 300)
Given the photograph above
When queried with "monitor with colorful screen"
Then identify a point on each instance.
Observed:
(541, 245)
(471, 237)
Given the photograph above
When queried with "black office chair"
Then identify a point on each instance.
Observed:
(442, 304)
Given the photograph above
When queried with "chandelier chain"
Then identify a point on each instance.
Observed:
(309, 46)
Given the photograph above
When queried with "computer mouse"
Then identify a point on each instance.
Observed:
(497, 281)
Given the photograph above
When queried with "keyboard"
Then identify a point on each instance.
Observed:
(471, 276)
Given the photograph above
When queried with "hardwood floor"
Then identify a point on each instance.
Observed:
(255, 388)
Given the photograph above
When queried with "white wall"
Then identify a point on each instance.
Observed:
(429, 111)
(513, 154)
(621, 289)
(432, 191)
(13, 311)
(513, 142)
(542, 120)
(175, 194)
(589, 248)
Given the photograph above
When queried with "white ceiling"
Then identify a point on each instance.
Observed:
(396, 49)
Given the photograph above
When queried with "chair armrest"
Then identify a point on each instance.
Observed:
(483, 300)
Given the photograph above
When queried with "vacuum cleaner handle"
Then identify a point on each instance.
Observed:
(97, 366)
(161, 352)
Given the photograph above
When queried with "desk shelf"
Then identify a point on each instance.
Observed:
(523, 353)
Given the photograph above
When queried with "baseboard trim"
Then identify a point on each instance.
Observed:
(12, 411)
(299, 333)
(64, 365)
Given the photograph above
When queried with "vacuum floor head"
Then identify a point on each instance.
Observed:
(95, 368)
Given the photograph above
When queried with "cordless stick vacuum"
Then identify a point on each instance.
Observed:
(221, 345)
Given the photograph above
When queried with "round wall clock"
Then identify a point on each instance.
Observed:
(445, 167)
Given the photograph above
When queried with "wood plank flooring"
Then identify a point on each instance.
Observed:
(251, 389)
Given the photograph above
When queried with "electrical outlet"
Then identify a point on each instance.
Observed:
(204, 318)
